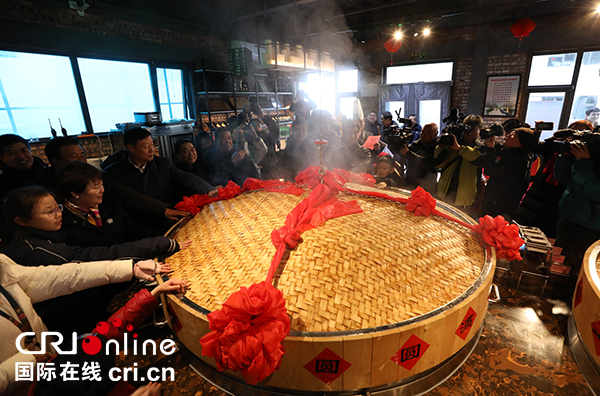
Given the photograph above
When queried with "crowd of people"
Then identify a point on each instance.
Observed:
(72, 232)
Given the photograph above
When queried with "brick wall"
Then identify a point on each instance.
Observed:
(91, 146)
(37, 13)
(462, 84)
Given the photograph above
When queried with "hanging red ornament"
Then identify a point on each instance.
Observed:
(392, 45)
(521, 29)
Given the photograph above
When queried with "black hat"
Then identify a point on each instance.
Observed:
(387, 115)
(526, 137)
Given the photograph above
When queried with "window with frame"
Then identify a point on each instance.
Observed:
(36, 89)
(170, 93)
(114, 90)
(424, 72)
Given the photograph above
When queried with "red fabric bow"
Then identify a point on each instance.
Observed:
(314, 210)
(334, 179)
(504, 237)
(246, 334)
(272, 185)
(420, 202)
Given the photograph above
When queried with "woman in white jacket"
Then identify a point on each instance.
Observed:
(29, 285)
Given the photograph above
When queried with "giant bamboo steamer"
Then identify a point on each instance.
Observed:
(376, 299)
(584, 324)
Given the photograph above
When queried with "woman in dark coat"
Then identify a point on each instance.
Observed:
(91, 218)
(34, 220)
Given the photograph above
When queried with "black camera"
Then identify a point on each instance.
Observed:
(454, 126)
(493, 130)
(400, 136)
(562, 140)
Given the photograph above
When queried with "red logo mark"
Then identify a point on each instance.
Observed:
(117, 322)
(466, 324)
(102, 328)
(410, 353)
(91, 345)
(327, 366)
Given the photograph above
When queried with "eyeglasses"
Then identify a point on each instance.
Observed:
(54, 212)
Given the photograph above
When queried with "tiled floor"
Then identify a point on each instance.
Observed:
(522, 350)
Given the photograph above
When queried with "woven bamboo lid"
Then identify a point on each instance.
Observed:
(378, 267)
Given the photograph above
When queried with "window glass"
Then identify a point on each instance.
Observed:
(430, 111)
(347, 106)
(35, 88)
(394, 106)
(427, 72)
(114, 90)
(321, 89)
(554, 69)
(545, 106)
(348, 81)
(170, 93)
(587, 89)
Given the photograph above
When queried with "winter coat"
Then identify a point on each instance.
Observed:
(581, 200)
(467, 178)
(128, 198)
(47, 248)
(508, 174)
(160, 179)
(117, 227)
(31, 285)
(11, 179)
(353, 158)
(420, 168)
(222, 169)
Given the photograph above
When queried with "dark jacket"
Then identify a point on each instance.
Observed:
(508, 173)
(353, 158)
(222, 169)
(117, 227)
(128, 198)
(421, 166)
(160, 180)
(580, 203)
(198, 168)
(48, 248)
(11, 179)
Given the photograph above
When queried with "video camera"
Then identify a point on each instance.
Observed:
(454, 126)
(400, 136)
(493, 130)
(562, 140)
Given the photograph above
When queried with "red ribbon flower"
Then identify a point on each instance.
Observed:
(246, 334)
(420, 202)
(502, 236)
(231, 190)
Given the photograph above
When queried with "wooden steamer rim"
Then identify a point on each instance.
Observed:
(444, 361)
(586, 313)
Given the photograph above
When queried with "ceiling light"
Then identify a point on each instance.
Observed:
(398, 35)
(598, 9)
(426, 32)
(416, 34)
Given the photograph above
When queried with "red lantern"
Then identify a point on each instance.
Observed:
(392, 45)
(522, 28)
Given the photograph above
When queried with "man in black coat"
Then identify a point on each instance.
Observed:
(19, 166)
(226, 163)
(508, 173)
(151, 175)
(351, 156)
(420, 162)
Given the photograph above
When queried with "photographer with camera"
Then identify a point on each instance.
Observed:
(388, 125)
(421, 166)
(577, 168)
(507, 167)
(459, 158)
